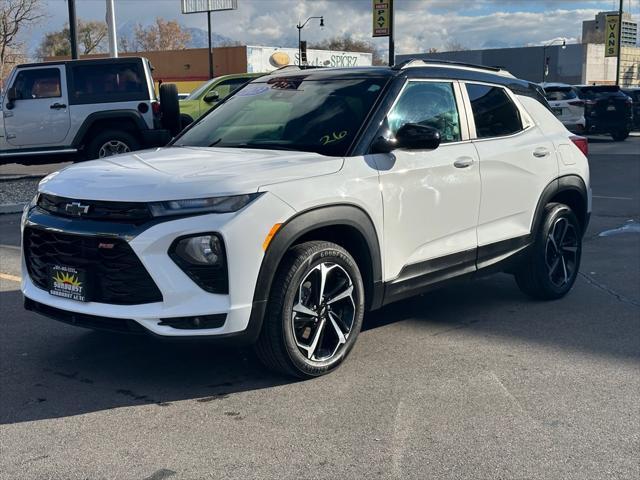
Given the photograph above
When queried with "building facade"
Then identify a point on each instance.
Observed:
(593, 30)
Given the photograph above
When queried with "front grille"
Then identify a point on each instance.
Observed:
(123, 212)
(115, 274)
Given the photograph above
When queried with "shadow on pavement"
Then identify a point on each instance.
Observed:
(53, 370)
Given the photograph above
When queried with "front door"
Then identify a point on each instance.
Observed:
(431, 198)
(40, 114)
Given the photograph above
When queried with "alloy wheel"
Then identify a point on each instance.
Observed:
(113, 147)
(561, 252)
(324, 312)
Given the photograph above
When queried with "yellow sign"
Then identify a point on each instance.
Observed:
(611, 36)
(381, 23)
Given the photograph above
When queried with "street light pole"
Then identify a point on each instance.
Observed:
(72, 29)
(619, 43)
(111, 26)
(544, 55)
(300, 27)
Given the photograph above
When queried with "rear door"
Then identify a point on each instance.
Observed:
(517, 161)
(40, 115)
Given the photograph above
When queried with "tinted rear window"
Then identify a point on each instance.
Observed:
(493, 111)
(559, 93)
(599, 91)
(108, 82)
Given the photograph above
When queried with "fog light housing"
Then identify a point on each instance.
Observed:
(202, 257)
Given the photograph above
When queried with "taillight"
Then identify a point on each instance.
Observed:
(581, 142)
(577, 103)
(155, 106)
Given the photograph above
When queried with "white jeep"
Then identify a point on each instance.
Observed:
(85, 109)
(308, 198)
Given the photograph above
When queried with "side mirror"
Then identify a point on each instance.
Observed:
(12, 96)
(212, 96)
(411, 136)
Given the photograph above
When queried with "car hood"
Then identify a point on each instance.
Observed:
(184, 172)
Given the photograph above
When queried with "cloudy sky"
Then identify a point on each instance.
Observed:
(420, 24)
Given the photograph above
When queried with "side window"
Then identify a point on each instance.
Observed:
(227, 87)
(493, 111)
(108, 82)
(428, 103)
(38, 83)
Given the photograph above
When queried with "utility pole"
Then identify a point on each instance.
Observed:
(618, 66)
(72, 29)
(210, 49)
(111, 27)
(391, 34)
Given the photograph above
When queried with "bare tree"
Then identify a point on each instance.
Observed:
(15, 17)
(347, 43)
(454, 46)
(92, 37)
(162, 35)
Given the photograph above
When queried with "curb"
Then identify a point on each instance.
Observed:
(6, 208)
(8, 177)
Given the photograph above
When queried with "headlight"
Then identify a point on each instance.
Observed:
(202, 257)
(202, 205)
(201, 250)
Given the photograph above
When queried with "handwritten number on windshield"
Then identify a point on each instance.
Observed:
(334, 137)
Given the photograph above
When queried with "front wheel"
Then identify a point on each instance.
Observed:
(620, 135)
(315, 311)
(552, 266)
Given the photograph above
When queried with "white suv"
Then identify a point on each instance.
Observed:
(308, 198)
(566, 105)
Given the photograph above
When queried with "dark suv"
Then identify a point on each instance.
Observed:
(634, 94)
(607, 110)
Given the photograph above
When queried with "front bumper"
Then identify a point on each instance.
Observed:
(243, 233)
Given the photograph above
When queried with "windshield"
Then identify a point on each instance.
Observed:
(198, 91)
(289, 113)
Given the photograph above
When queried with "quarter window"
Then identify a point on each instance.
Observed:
(431, 104)
(38, 83)
(493, 111)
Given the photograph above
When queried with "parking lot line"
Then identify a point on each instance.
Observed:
(11, 278)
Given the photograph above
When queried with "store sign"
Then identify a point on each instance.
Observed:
(612, 31)
(199, 6)
(381, 20)
(267, 59)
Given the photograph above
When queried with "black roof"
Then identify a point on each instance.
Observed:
(83, 60)
(426, 69)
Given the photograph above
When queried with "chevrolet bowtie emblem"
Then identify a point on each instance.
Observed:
(76, 208)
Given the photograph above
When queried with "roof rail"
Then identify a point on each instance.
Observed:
(413, 62)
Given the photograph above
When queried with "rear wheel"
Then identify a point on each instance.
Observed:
(315, 311)
(552, 266)
(111, 142)
(620, 135)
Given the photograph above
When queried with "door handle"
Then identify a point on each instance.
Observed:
(58, 106)
(463, 162)
(541, 152)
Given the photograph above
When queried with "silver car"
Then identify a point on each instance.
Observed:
(566, 105)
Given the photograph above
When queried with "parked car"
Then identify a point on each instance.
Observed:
(210, 93)
(607, 110)
(94, 108)
(634, 94)
(565, 104)
(182, 96)
(308, 198)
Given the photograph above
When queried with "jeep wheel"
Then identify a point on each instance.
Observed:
(620, 135)
(111, 142)
(552, 266)
(315, 311)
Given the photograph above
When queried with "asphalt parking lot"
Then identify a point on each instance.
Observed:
(471, 382)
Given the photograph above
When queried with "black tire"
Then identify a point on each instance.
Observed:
(170, 107)
(548, 273)
(277, 346)
(620, 135)
(94, 148)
